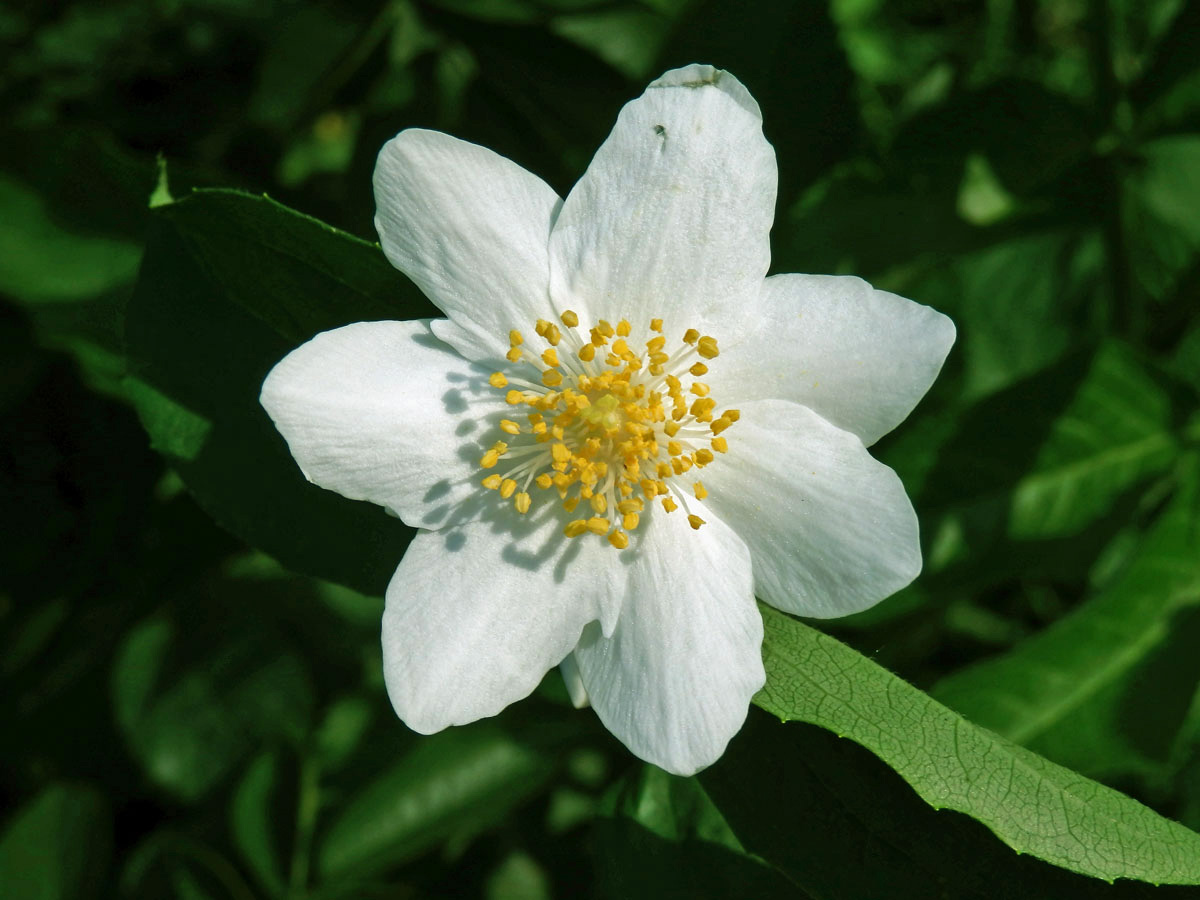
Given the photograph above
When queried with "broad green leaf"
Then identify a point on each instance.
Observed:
(1106, 688)
(451, 785)
(47, 263)
(1046, 458)
(230, 284)
(842, 825)
(57, 846)
(192, 703)
(1031, 804)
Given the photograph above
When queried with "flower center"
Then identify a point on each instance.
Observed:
(609, 430)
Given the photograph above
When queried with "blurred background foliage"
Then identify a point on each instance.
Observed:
(186, 717)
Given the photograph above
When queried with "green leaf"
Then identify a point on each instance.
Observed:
(193, 702)
(841, 825)
(1045, 458)
(665, 838)
(1161, 196)
(230, 284)
(47, 263)
(57, 846)
(253, 822)
(1031, 804)
(451, 785)
(1105, 689)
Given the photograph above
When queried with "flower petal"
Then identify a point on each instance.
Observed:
(830, 529)
(471, 229)
(385, 412)
(477, 615)
(672, 217)
(675, 679)
(859, 357)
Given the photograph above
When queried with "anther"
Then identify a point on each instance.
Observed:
(497, 380)
(569, 318)
(691, 336)
(699, 490)
(521, 501)
(618, 539)
(695, 521)
(550, 357)
(708, 348)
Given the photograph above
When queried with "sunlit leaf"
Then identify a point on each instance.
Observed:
(1106, 688)
(1031, 804)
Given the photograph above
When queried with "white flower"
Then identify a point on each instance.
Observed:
(621, 432)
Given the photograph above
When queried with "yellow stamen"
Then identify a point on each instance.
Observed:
(610, 429)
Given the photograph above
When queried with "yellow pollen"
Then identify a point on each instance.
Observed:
(598, 525)
(605, 426)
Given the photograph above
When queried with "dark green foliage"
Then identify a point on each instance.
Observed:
(190, 672)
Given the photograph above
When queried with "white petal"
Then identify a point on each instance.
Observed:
(861, 358)
(574, 682)
(477, 615)
(830, 529)
(672, 217)
(471, 229)
(674, 680)
(385, 412)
